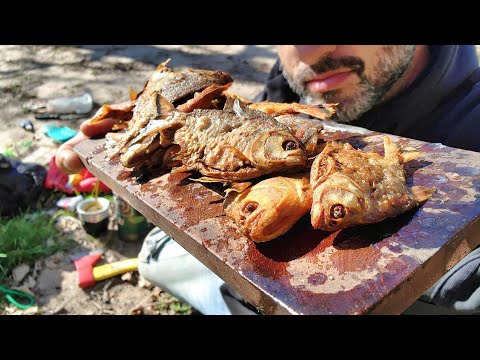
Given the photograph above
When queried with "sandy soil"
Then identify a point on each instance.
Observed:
(34, 74)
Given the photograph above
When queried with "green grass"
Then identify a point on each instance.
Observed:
(12, 150)
(169, 304)
(25, 238)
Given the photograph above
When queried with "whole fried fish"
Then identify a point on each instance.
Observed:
(237, 145)
(353, 187)
(156, 135)
(175, 87)
(270, 208)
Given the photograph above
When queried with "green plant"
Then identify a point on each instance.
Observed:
(13, 149)
(26, 237)
(171, 305)
(10, 151)
(181, 308)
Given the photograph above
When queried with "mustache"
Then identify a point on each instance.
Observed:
(330, 64)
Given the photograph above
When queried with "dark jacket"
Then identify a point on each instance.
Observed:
(443, 106)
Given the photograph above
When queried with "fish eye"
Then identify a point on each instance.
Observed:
(337, 211)
(249, 208)
(289, 145)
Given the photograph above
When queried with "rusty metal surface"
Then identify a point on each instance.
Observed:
(380, 268)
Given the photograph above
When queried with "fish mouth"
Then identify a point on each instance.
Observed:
(299, 159)
(252, 223)
(287, 164)
(324, 222)
(318, 220)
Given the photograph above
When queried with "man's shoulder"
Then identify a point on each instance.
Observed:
(462, 114)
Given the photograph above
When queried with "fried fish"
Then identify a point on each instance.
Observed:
(237, 144)
(176, 87)
(271, 207)
(353, 187)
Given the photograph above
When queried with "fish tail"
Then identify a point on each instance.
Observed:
(133, 94)
(422, 193)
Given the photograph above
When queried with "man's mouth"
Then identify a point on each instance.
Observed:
(328, 81)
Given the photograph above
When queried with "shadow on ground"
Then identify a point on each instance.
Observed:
(242, 69)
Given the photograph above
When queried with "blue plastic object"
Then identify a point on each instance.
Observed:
(58, 134)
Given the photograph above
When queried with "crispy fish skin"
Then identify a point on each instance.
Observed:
(222, 144)
(157, 133)
(175, 86)
(172, 86)
(270, 208)
(204, 99)
(353, 187)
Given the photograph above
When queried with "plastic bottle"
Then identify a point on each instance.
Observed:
(67, 105)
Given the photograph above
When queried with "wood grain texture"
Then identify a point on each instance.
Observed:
(380, 268)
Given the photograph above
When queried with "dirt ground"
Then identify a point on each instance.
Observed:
(34, 74)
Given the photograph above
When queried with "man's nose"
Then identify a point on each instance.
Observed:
(310, 54)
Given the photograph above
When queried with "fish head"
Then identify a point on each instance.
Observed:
(270, 208)
(338, 204)
(260, 221)
(278, 150)
(256, 210)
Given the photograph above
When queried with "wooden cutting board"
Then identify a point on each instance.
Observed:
(380, 268)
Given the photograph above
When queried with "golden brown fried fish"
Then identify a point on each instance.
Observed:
(175, 87)
(237, 144)
(271, 207)
(353, 187)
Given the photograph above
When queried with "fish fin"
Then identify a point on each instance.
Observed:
(329, 108)
(391, 148)
(163, 66)
(165, 107)
(181, 169)
(133, 94)
(205, 98)
(422, 193)
(239, 187)
(410, 155)
(99, 115)
(208, 179)
(240, 108)
(228, 103)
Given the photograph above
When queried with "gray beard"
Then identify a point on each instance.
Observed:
(370, 91)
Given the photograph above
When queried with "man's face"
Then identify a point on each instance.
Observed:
(355, 76)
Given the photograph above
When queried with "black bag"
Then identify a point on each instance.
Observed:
(20, 185)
